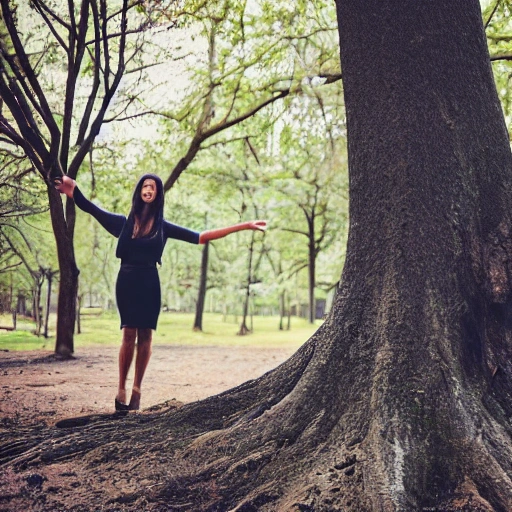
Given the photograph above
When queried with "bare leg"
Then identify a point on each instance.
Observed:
(144, 337)
(125, 360)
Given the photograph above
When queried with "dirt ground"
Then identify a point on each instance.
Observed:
(37, 391)
(37, 388)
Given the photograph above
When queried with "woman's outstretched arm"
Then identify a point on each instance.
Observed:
(112, 222)
(213, 234)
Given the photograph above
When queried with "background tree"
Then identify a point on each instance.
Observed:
(254, 57)
(313, 188)
(20, 277)
(41, 120)
(225, 91)
(201, 294)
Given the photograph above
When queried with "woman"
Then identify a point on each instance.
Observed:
(142, 237)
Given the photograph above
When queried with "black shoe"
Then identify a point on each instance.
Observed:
(120, 406)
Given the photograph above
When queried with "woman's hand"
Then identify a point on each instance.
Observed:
(257, 225)
(214, 234)
(65, 185)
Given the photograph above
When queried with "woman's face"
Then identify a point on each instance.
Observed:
(148, 192)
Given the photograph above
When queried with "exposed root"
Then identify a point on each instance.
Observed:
(467, 498)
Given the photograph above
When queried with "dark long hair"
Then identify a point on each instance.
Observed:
(144, 212)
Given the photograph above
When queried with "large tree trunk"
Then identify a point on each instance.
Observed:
(401, 400)
(422, 311)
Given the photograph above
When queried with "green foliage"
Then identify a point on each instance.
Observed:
(229, 57)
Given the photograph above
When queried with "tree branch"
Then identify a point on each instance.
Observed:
(39, 7)
(84, 123)
(109, 92)
(499, 37)
(40, 4)
(13, 247)
(29, 141)
(9, 267)
(106, 52)
(289, 230)
(115, 35)
(124, 11)
(29, 73)
(493, 12)
(8, 141)
(8, 130)
(13, 66)
(199, 138)
(292, 271)
(75, 55)
(503, 56)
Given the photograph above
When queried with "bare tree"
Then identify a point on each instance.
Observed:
(93, 38)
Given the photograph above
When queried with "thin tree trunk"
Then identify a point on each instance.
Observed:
(34, 291)
(243, 326)
(288, 310)
(311, 279)
(282, 311)
(38, 284)
(201, 296)
(251, 309)
(78, 315)
(21, 306)
(311, 270)
(49, 278)
(68, 285)
(10, 296)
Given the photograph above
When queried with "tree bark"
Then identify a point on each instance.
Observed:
(49, 277)
(282, 309)
(78, 314)
(426, 289)
(38, 284)
(48, 302)
(201, 296)
(311, 271)
(401, 400)
(243, 326)
(68, 284)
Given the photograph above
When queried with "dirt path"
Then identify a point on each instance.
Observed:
(36, 388)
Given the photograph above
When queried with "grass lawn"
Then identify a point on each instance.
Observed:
(173, 329)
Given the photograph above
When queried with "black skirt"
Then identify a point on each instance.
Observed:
(138, 296)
